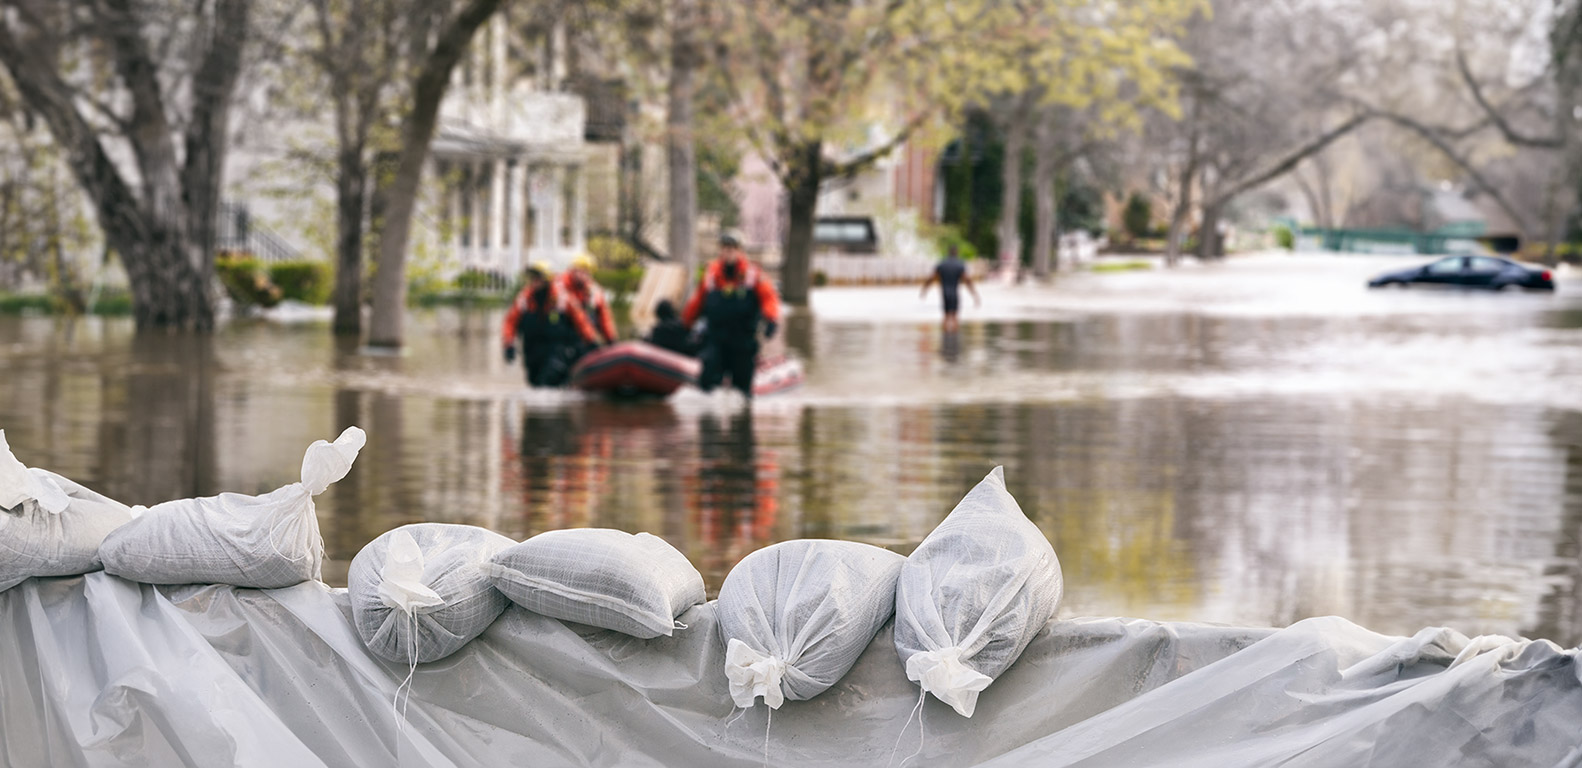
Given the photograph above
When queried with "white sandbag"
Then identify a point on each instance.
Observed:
(636, 584)
(973, 595)
(419, 593)
(796, 615)
(49, 526)
(267, 541)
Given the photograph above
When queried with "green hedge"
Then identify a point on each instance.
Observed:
(1284, 238)
(947, 235)
(309, 282)
(110, 302)
(613, 253)
(244, 279)
(620, 283)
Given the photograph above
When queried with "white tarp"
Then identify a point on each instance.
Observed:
(97, 671)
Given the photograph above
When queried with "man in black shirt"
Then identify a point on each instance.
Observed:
(951, 273)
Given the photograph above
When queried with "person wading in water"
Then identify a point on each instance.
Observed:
(951, 273)
(550, 328)
(733, 297)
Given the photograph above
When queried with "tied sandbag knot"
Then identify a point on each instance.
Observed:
(325, 463)
(942, 673)
(19, 485)
(753, 674)
(401, 584)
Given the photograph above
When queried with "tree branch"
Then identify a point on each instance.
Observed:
(1510, 133)
(1291, 160)
(853, 166)
(1444, 147)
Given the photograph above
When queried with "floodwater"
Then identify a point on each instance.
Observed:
(1252, 442)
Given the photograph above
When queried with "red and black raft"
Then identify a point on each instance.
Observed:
(635, 368)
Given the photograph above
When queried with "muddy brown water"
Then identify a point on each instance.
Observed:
(1252, 442)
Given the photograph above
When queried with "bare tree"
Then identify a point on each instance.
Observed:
(1243, 124)
(177, 74)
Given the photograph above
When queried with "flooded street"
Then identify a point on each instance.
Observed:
(1250, 442)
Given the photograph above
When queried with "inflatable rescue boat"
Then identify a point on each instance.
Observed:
(632, 368)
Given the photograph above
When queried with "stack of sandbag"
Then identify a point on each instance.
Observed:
(269, 541)
(636, 584)
(49, 526)
(796, 615)
(973, 595)
(419, 593)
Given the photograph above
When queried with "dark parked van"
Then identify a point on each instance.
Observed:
(853, 235)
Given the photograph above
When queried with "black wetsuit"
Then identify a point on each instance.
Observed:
(549, 344)
(950, 272)
(730, 344)
(672, 335)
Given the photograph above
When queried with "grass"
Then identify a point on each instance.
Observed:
(108, 303)
(1120, 266)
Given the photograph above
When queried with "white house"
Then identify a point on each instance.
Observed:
(505, 184)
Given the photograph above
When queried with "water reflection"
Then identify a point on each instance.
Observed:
(1403, 470)
(698, 480)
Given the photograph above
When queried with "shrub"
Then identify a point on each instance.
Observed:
(1137, 216)
(947, 235)
(620, 283)
(309, 282)
(820, 279)
(113, 302)
(613, 253)
(244, 279)
(475, 280)
(1284, 238)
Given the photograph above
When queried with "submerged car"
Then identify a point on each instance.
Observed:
(1474, 271)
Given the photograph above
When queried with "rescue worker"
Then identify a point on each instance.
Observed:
(578, 284)
(669, 332)
(551, 329)
(732, 298)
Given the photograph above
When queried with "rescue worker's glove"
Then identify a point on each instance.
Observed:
(769, 329)
(510, 355)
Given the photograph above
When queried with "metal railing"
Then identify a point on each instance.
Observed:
(237, 231)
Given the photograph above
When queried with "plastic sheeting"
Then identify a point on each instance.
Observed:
(98, 671)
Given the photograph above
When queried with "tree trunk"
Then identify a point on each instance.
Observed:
(681, 143)
(389, 289)
(1209, 245)
(1183, 208)
(351, 188)
(803, 176)
(1044, 202)
(163, 230)
(206, 135)
(1011, 188)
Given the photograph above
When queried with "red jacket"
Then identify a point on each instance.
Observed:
(558, 303)
(590, 297)
(749, 278)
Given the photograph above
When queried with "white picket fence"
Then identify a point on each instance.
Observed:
(858, 270)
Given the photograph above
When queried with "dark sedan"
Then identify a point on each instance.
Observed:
(1473, 271)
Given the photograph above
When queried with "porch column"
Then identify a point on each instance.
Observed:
(555, 211)
(579, 221)
(515, 198)
(494, 257)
